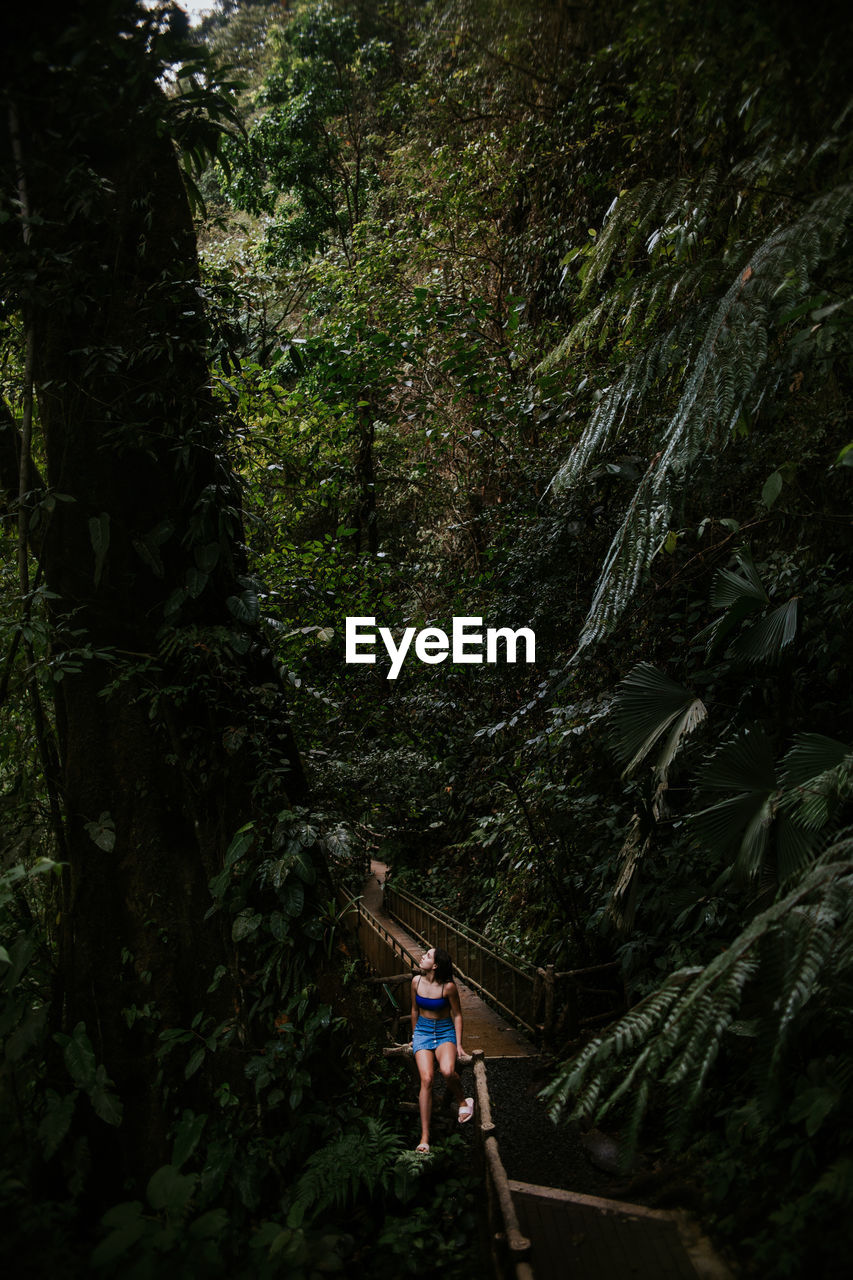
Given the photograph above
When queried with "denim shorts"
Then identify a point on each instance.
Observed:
(431, 1032)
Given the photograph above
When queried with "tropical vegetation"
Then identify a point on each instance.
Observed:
(528, 312)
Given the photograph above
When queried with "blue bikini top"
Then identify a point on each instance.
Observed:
(430, 1002)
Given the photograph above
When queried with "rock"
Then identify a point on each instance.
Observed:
(604, 1152)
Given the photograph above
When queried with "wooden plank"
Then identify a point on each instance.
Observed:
(579, 1242)
(484, 1028)
(579, 1237)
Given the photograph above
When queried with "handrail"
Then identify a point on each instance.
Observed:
(500, 980)
(460, 927)
(396, 948)
(512, 1252)
(508, 1242)
(508, 1239)
(542, 1001)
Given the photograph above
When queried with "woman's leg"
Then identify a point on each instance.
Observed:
(446, 1055)
(425, 1066)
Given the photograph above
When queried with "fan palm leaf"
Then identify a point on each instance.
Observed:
(766, 640)
(817, 777)
(740, 823)
(648, 706)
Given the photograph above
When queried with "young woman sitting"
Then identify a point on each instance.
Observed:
(437, 1035)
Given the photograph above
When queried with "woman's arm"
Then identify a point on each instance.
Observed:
(452, 995)
(413, 1015)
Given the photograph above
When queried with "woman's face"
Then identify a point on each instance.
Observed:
(428, 960)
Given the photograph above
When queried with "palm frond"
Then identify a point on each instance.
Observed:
(767, 640)
(730, 588)
(795, 847)
(745, 763)
(648, 705)
(724, 354)
(740, 822)
(817, 777)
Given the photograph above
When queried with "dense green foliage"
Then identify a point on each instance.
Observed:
(541, 315)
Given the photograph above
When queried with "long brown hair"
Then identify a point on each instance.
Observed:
(443, 966)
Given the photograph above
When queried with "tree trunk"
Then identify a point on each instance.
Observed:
(164, 693)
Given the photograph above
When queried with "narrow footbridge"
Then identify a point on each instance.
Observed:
(510, 1007)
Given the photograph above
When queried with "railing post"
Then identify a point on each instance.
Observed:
(550, 993)
(537, 995)
(573, 1015)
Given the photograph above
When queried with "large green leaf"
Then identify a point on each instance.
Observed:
(648, 705)
(740, 823)
(56, 1120)
(744, 823)
(817, 776)
(293, 898)
(170, 1190)
(126, 1224)
(79, 1056)
(794, 848)
(107, 1104)
(103, 832)
(245, 923)
(731, 588)
(721, 826)
(754, 840)
(767, 639)
(187, 1137)
(812, 755)
(245, 607)
(740, 594)
(745, 763)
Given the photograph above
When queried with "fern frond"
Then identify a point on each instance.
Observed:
(702, 1051)
(796, 954)
(359, 1159)
(651, 214)
(726, 367)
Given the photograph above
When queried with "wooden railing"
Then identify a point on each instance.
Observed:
(382, 951)
(561, 995)
(506, 982)
(559, 1006)
(509, 1247)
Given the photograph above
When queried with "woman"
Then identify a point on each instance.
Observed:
(437, 1035)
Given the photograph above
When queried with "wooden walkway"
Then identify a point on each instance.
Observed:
(482, 1028)
(543, 1233)
(579, 1237)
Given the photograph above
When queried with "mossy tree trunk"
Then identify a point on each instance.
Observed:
(164, 694)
